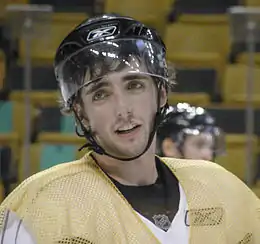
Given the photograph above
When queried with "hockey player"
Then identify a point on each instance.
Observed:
(113, 78)
(189, 132)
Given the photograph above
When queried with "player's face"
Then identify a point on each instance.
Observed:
(199, 147)
(120, 109)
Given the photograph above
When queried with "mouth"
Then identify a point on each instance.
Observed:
(128, 130)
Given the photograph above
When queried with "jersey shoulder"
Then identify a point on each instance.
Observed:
(39, 182)
(179, 164)
(210, 175)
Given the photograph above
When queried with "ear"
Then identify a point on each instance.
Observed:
(169, 148)
(163, 97)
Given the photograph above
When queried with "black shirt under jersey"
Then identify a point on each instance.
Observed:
(158, 202)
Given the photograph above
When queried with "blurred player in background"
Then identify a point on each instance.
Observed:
(189, 132)
(114, 79)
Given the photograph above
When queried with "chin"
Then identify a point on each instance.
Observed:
(125, 148)
(127, 153)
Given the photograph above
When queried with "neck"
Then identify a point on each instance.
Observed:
(141, 171)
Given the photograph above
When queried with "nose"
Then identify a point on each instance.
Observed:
(123, 106)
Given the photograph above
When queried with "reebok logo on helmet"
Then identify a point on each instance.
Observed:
(101, 32)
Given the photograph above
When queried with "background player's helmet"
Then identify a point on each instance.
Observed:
(105, 44)
(182, 120)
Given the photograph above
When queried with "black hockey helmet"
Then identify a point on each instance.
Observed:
(105, 39)
(182, 120)
(102, 44)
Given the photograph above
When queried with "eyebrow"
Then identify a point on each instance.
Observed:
(135, 77)
(96, 85)
(100, 83)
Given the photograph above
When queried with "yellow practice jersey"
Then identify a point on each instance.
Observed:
(77, 203)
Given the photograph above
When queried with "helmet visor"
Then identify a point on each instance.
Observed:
(99, 60)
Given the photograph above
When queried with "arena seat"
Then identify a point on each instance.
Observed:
(19, 118)
(243, 58)
(37, 98)
(239, 52)
(203, 18)
(235, 158)
(4, 3)
(151, 12)
(52, 154)
(68, 5)
(53, 121)
(34, 157)
(6, 111)
(190, 80)
(60, 138)
(201, 37)
(42, 76)
(9, 137)
(234, 86)
(50, 119)
(232, 119)
(198, 45)
(43, 48)
(17, 1)
(14, 114)
(43, 85)
(252, 3)
(8, 125)
(204, 6)
(49, 152)
(63, 138)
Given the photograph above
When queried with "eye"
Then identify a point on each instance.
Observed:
(135, 85)
(100, 95)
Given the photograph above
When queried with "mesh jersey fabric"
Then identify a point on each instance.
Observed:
(76, 203)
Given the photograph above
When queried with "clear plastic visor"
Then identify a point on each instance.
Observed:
(99, 60)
